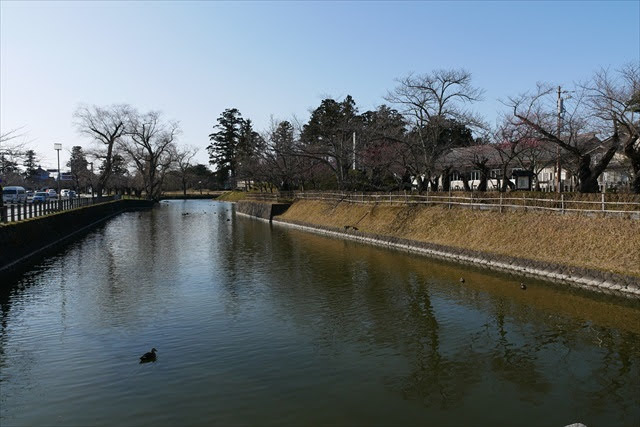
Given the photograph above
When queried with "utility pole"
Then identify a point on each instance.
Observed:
(558, 164)
(91, 163)
(58, 147)
(354, 150)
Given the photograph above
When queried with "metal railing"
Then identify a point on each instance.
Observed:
(480, 201)
(22, 211)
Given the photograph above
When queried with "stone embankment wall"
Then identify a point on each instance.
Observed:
(23, 241)
(509, 242)
(581, 277)
(262, 210)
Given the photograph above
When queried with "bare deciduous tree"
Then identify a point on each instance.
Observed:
(105, 126)
(575, 135)
(10, 151)
(183, 157)
(149, 143)
(430, 102)
(511, 141)
(615, 100)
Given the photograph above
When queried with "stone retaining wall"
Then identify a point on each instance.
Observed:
(263, 210)
(599, 281)
(23, 241)
(590, 279)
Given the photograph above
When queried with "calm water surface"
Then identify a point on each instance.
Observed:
(262, 325)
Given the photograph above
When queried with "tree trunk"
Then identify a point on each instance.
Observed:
(634, 156)
(99, 189)
(465, 181)
(446, 179)
(635, 183)
(484, 175)
(482, 186)
(504, 185)
(434, 183)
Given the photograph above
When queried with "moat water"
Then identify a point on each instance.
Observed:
(264, 325)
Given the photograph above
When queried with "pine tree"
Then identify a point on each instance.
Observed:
(250, 147)
(327, 136)
(30, 164)
(223, 148)
(78, 165)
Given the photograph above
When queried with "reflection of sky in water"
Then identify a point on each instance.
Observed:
(264, 325)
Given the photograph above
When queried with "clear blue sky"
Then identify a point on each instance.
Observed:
(192, 60)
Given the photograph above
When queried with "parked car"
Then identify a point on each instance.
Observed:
(52, 194)
(64, 193)
(40, 197)
(72, 194)
(30, 195)
(14, 194)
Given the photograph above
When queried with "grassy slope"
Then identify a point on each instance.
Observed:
(232, 196)
(608, 244)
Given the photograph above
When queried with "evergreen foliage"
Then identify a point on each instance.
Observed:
(223, 149)
(30, 164)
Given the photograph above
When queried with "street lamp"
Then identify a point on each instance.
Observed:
(91, 163)
(58, 147)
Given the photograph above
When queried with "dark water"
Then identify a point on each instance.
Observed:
(261, 325)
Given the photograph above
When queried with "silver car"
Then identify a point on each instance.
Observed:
(40, 197)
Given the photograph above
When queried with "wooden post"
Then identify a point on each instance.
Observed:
(405, 197)
(562, 202)
(603, 209)
(13, 213)
(500, 202)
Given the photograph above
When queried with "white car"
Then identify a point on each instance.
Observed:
(52, 194)
(14, 194)
(64, 193)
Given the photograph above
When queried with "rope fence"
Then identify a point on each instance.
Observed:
(501, 203)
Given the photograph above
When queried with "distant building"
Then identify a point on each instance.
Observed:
(537, 159)
(41, 174)
(64, 176)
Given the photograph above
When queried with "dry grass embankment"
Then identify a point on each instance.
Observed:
(605, 244)
(232, 196)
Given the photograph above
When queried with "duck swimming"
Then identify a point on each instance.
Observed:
(149, 357)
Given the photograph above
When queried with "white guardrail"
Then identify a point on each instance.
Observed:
(21, 211)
